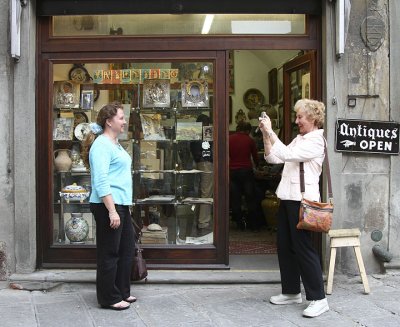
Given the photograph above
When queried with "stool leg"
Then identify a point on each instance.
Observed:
(331, 271)
(361, 267)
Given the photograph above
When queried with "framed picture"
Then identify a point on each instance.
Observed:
(280, 84)
(231, 72)
(87, 99)
(189, 131)
(127, 113)
(156, 93)
(305, 86)
(151, 127)
(230, 109)
(63, 129)
(195, 93)
(207, 133)
(273, 86)
(66, 94)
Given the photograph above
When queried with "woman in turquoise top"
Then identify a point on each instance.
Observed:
(111, 196)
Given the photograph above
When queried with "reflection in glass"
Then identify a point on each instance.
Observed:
(184, 24)
(299, 89)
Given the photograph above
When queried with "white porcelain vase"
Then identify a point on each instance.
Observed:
(77, 229)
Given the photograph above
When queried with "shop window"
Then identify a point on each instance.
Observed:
(169, 136)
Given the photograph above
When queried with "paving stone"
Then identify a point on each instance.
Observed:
(202, 305)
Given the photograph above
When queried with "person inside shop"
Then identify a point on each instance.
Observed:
(297, 257)
(202, 152)
(111, 196)
(243, 159)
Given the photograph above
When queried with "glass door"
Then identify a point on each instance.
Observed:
(299, 80)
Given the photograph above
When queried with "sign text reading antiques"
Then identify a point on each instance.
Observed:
(367, 136)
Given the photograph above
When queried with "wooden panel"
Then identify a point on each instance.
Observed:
(86, 7)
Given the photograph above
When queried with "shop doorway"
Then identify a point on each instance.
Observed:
(270, 81)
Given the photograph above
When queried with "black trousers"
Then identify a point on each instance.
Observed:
(297, 256)
(242, 182)
(115, 251)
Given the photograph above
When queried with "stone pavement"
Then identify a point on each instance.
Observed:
(202, 304)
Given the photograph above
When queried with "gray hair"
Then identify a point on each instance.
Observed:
(314, 110)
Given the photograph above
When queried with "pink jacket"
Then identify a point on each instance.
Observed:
(308, 148)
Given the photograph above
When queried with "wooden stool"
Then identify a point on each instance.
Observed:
(340, 238)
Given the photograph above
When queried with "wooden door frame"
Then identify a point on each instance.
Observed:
(308, 59)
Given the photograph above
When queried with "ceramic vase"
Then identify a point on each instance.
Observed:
(77, 229)
(62, 160)
(270, 207)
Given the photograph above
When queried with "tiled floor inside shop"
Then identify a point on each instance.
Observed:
(252, 250)
(247, 242)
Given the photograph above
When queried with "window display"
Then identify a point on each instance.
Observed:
(162, 109)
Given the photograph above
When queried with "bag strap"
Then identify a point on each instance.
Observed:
(327, 173)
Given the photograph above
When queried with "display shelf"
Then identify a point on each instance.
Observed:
(65, 210)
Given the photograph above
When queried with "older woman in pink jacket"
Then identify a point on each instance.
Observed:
(296, 254)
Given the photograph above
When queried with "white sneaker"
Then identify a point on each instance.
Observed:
(286, 299)
(316, 308)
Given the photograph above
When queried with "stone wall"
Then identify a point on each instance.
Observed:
(17, 146)
(6, 151)
(363, 183)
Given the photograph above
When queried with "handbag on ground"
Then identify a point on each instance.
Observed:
(139, 268)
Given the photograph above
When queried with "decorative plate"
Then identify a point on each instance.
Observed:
(79, 74)
(80, 117)
(81, 130)
(252, 98)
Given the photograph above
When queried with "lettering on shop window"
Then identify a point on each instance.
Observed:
(369, 136)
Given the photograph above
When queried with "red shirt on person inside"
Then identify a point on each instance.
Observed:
(241, 149)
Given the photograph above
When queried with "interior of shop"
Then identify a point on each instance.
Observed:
(258, 86)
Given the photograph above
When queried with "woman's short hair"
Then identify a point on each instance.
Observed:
(106, 112)
(314, 110)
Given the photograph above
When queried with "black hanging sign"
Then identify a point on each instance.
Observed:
(353, 135)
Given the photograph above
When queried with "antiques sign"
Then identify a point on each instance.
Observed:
(367, 136)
